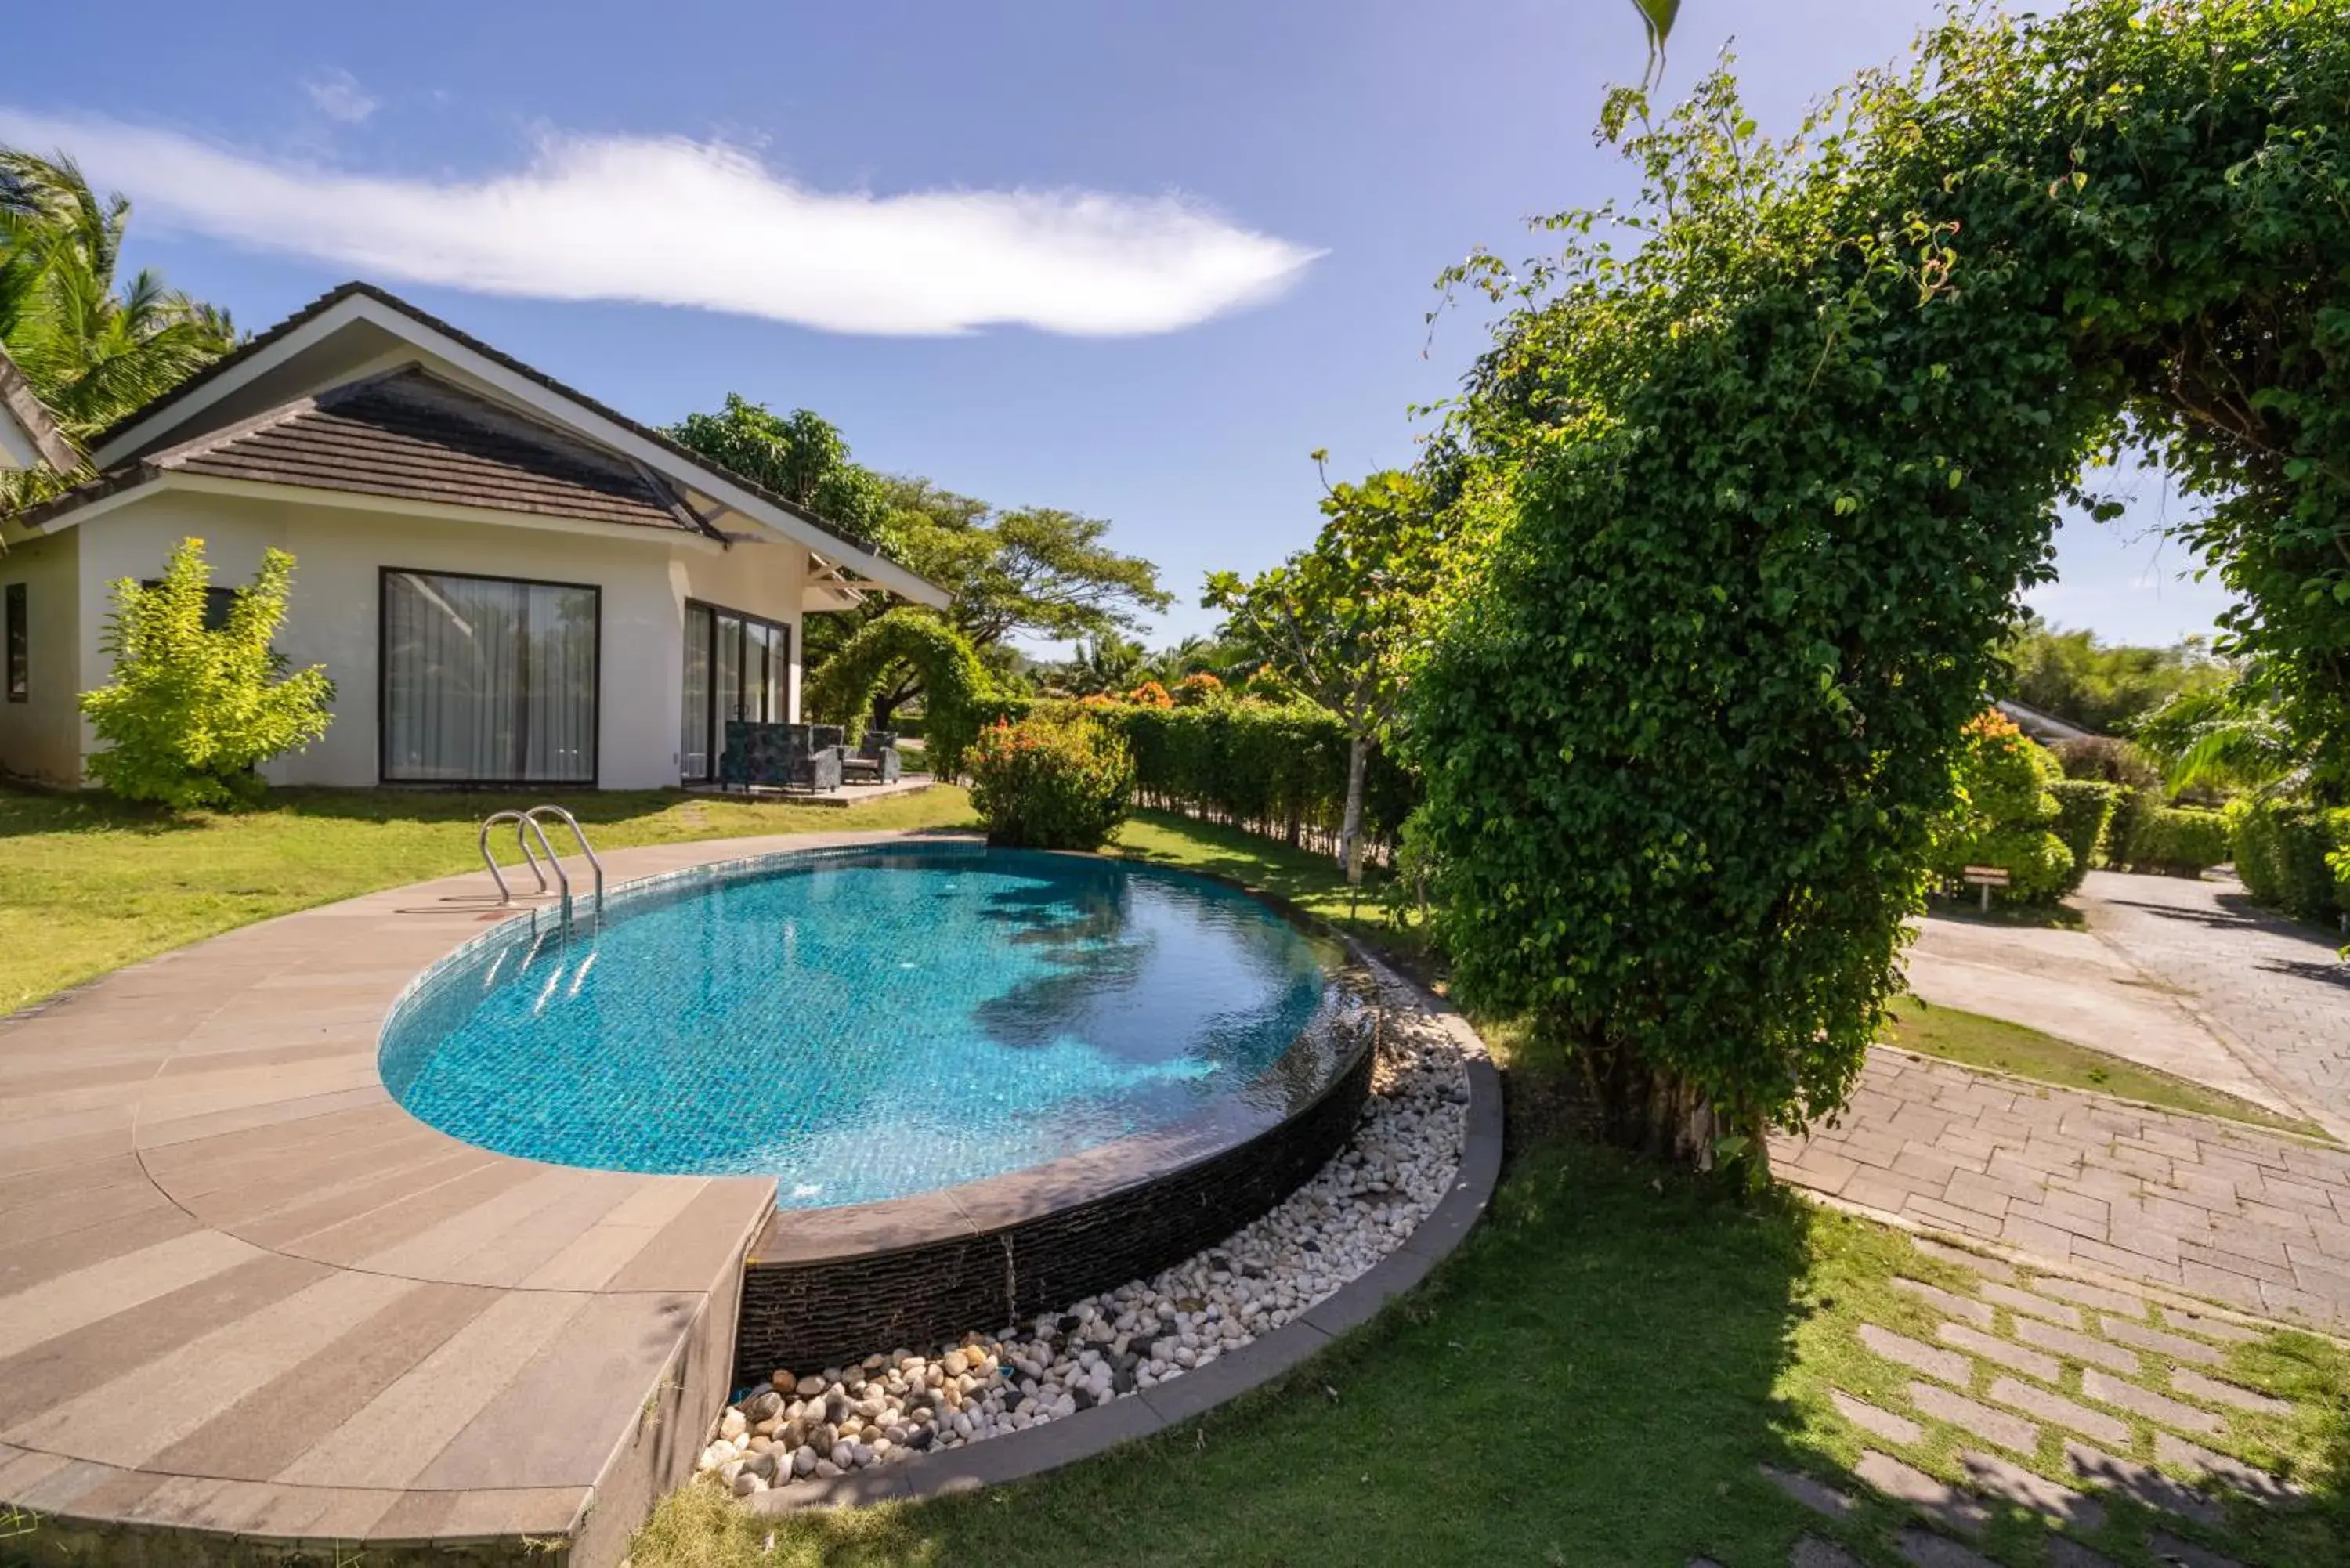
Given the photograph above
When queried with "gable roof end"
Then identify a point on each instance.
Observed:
(22, 408)
(150, 420)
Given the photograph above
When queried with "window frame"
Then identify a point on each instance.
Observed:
(717, 731)
(17, 598)
(384, 684)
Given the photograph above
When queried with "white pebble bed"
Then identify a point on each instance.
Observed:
(1356, 1211)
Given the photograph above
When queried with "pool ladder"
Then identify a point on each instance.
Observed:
(528, 826)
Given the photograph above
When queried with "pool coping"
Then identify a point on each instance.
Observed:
(1148, 1412)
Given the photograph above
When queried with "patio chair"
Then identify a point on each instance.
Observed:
(875, 759)
(780, 756)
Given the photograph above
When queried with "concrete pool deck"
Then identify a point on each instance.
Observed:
(247, 1301)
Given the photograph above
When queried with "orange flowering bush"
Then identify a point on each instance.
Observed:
(1198, 689)
(1150, 694)
(1050, 783)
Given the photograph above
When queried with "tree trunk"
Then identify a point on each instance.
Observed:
(1666, 1115)
(1350, 832)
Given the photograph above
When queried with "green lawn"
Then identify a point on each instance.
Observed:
(1974, 1041)
(1594, 1379)
(88, 884)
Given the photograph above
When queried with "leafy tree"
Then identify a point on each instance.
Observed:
(799, 456)
(2230, 737)
(1337, 620)
(2074, 677)
(2005, 814)
(94, 349)
(1104, 663)
(1762, 484)
(193, 712)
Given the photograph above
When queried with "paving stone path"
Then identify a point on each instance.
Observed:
(2275, 992)
(2257, 1221)
(2039, 1417)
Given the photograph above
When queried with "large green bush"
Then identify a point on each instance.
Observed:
(2293, 857)
(1763, 460)
(955, 686)
(193, 712)
(2005, 814)
(2085, 810)
(2181, 841)
(1057, 782)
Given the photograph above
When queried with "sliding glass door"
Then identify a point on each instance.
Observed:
(736, 666)
(488, 679)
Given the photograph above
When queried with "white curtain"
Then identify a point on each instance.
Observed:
(695, 759)
(488, 681)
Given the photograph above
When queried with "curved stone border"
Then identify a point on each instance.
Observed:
(1015, 1455)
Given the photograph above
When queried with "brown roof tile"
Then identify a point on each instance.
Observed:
(412, 434)
(335, 297)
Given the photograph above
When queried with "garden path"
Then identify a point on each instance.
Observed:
(2276, 992)
(2223, 1210)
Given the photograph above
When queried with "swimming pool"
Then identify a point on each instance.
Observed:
(866, 1024)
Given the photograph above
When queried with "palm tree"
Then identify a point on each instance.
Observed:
(93, 351)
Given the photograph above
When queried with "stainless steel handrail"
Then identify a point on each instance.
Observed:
(522, 824)
(578, 833)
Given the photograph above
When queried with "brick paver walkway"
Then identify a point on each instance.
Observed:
(2257, 1221)
(1999, 1394)
(2275, 991)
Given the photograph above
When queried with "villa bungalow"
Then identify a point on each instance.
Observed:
(508, 581)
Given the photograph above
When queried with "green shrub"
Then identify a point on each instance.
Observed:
(1061, 781)
(2293, 857)
(2003, 818)
(192, 713)
(2181, 841)
(2085, 810)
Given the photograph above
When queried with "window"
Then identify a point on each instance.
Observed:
(20, 647)
(488, 681)
(736, 666)
(218, 602)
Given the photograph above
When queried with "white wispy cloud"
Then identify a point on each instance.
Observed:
(337, 94)
(674, 222)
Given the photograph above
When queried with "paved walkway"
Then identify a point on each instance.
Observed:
(2274, 992)
(2184, 976)
(2260, 1221)
(1990, 1392)
(241, 1291)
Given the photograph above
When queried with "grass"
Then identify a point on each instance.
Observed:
(1594, 1379)
(92, 884)
(1972, 1039)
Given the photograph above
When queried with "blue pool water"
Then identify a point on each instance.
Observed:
(859, 1025)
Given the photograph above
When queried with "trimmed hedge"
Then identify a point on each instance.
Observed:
(2181, 841)
(1276, 771)
(2085, 810)
(2293, 857)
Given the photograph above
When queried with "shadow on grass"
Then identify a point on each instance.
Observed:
(1590, 1381)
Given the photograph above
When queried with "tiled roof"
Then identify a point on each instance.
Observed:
(414, 435)
(355, 289)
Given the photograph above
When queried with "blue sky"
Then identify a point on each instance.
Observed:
(1133, 260)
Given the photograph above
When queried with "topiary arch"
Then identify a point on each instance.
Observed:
(954, 682)
(1759, 493)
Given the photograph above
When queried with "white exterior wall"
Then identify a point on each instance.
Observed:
(335, 615)
(40, 737)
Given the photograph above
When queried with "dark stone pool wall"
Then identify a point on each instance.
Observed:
(805, 1314)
